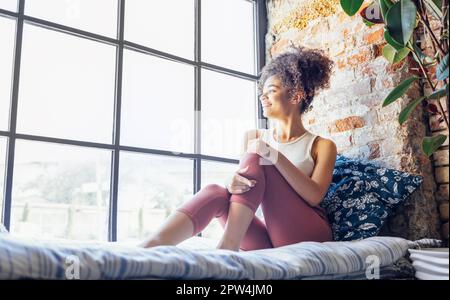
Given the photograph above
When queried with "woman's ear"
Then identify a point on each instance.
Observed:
(298, 96)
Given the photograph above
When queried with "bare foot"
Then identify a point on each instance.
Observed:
(153, 242)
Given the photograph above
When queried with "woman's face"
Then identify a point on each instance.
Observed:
(276, 101)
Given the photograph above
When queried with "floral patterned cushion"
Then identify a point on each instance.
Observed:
(362, 196)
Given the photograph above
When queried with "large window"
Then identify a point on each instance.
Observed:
(113, 113)
(7, 27)
(98, 16)
(226, 115)
(157, 103)
(150, 188)
(145, 21)
(66, 86)
(228, 34)
(60, 191)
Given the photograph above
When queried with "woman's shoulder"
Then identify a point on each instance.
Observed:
(321, 143)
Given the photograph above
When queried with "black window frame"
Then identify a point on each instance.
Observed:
(260, 29)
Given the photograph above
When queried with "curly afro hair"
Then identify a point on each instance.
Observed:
(299, 69)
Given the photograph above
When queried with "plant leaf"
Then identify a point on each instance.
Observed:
(439, 93)
(431, 144)
(401, 20)
(438, 3)
(399, 91)
(367, 23)
(406, 112)
(390, 40)
(351, 7)
(442, 69)
(394, 56)
(435, 8)
(385, 5)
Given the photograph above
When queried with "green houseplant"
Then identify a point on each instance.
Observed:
(401, 18)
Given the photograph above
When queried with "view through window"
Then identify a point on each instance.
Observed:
(112, 106)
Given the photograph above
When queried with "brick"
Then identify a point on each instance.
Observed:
(359, 88)
(343, 17)
(389, 113)
(391, 146)
(371, 118)
(375, 36)
(368, 134)
(371, 101)
(362, 56)
(393, 68)
(441, 174)
(341, 63)
(342, 139)
(358, 152)
(348, 124)
(337, 48)
(319, 27)
(443, 211)
(440, 157)
(442, 193)
(279, 47)
(341, 79)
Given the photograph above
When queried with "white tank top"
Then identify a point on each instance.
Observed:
(298, 151)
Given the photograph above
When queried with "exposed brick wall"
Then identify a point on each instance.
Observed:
(350, 111)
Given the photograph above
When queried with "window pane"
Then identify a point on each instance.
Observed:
(60, 191)
(166, 26)
(66, 86)
(9, 5)
(2, 171)
(98, 16)
(228, 34)
(218, 173)
(228, 110)
(150, 188)
(157, 103)
(7, 29)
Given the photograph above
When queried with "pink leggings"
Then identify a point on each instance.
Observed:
(288, 217)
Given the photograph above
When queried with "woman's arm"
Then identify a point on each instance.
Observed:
(315, 188)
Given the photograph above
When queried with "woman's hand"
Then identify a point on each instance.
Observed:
(238, 184)
(263, 149)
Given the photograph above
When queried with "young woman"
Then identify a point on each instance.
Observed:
(285, 169)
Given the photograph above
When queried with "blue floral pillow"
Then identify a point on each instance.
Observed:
(362, 196)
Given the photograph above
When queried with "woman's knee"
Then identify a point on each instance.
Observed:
(216, 190)
(250, 158)
(255, 164)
